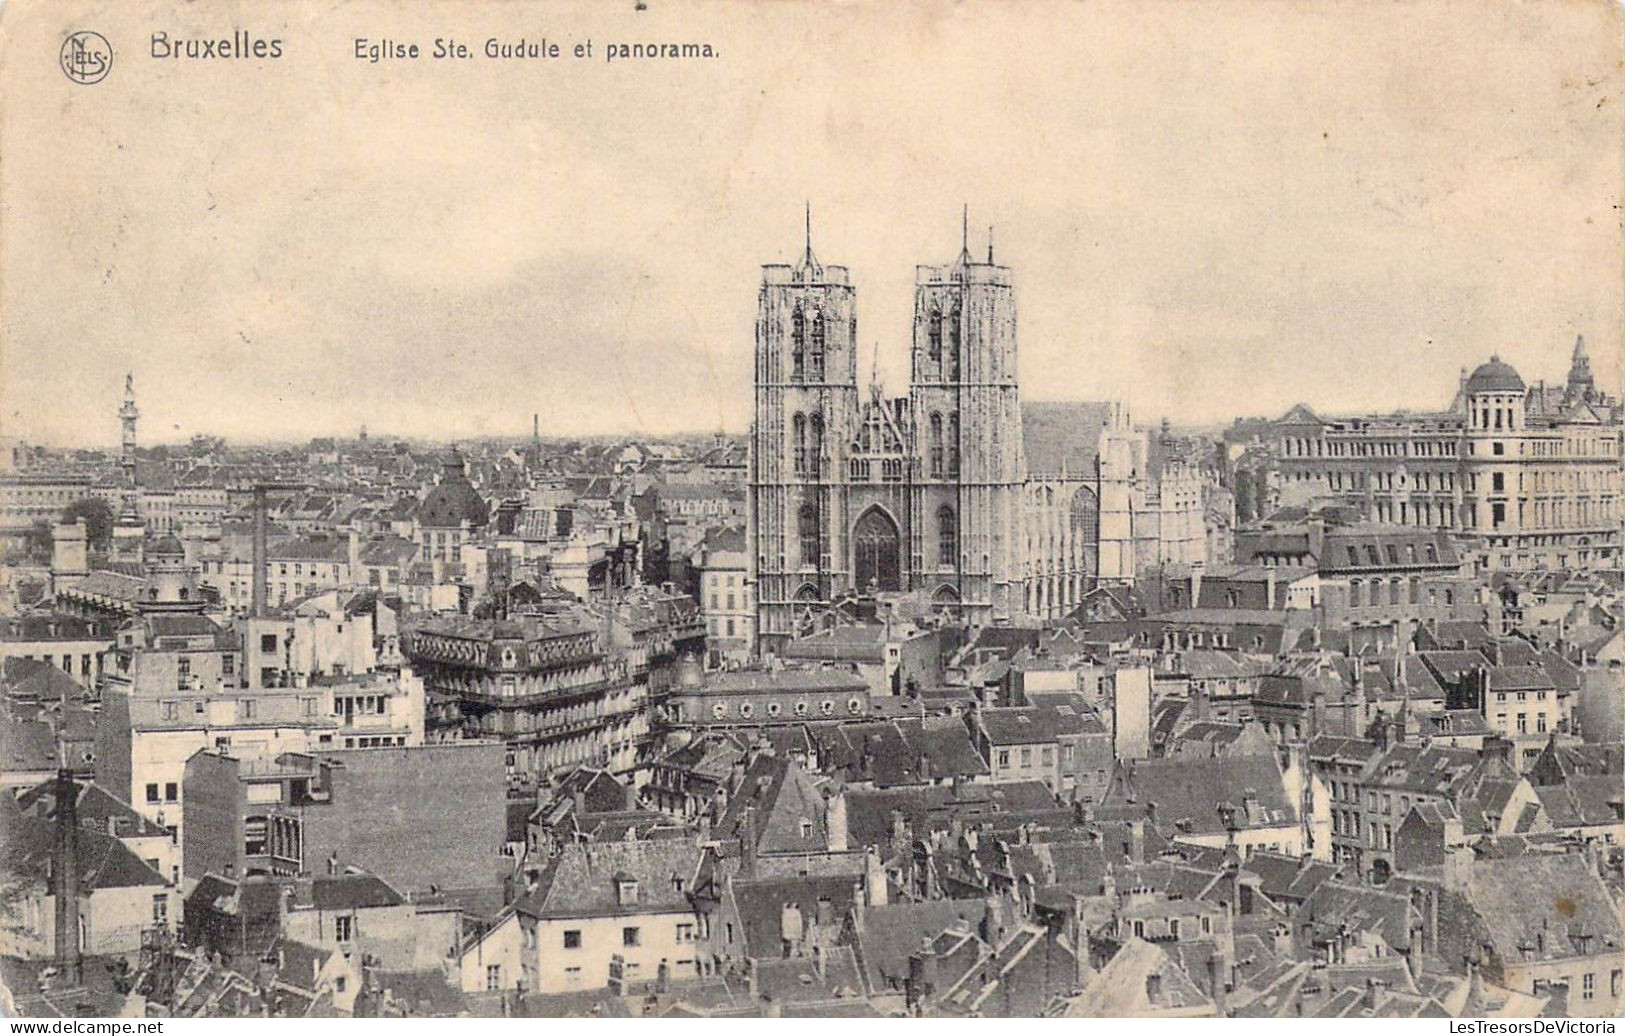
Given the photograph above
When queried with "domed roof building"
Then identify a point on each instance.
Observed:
(171, 582)
(1496, 377)
(454, 501)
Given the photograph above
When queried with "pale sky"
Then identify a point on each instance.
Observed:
(1211, 209)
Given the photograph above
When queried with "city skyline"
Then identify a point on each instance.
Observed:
(501, 435)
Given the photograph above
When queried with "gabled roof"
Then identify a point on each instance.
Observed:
(761, 904)
(586, 880)
(887, 935)
(28, 845)
(777, 796)
(1334, 904)
(351, 892)
(1522, 926)
(1141, 980)
(1205, 796)
(1062, 436)
(95, 807)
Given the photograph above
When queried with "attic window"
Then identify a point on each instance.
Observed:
(626, 892)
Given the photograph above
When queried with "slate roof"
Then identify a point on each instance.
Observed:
(934, 807)
(582, 880)
(1519, 678)
(1035, 724)
(746, 681)
(899, 752)
(114, 585)
(1057, 436)
(1532, 906)
(30, 679)
(27, 845)
(353, 892)
(1206, 796)
(1120, 990)
(28, 746)
(778, 796)
(1334, 904)
(761, 904)
(1584, 801)
(95, 807)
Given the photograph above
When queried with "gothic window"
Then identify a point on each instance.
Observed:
(951, 371)
(876, 561)
(936, 445)
(798, 344)
(807, 532)
(1085, 517)
(947, 536)
(815, 453)
(933, 336)
(799, 424)
(815, 346)
(953, 445)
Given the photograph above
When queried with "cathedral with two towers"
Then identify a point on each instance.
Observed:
(855, 495)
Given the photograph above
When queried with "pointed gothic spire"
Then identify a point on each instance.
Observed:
(990, 244)
(964, 259)
(809, 267)
(1580, 350)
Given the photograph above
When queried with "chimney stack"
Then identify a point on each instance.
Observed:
(65, 886)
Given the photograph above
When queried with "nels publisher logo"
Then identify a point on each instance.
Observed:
(86, 57)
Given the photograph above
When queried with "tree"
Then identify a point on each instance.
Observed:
(98, 518)
(37, 540)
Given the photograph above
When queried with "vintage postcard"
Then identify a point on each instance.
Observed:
(690, 509)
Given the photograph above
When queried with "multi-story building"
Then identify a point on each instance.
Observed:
(1377, 579)
(1481, 787)
(1527, 476)
(727, 596)
(77, 646)
(1068, 750)
(549, 687)
(303, 812)
(296, 567)
(31, 498)
(451, 514)
(316, 637)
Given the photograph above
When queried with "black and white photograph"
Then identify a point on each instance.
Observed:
(673, 510)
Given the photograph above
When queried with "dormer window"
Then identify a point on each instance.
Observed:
(626, 891)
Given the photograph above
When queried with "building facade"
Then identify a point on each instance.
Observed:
(1527, 476)
(854, 493)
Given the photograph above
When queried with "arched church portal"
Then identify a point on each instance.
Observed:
(876, 552)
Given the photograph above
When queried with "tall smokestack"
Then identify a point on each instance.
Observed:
(258, 608)
(65, 879)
